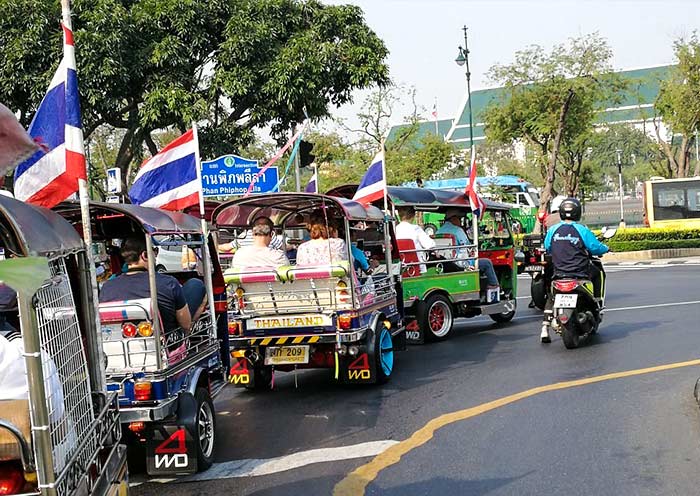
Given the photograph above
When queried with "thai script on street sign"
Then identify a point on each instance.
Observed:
(231, 175)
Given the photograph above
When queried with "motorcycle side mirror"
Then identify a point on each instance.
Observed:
(609, 232)
(520, 257)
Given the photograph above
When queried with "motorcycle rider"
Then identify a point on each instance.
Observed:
(571, 245)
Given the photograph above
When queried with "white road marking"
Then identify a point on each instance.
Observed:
(256, 467)
(659, 305)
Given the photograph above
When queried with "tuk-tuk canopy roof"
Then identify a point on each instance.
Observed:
(278, 206)
(423, 198)
(151, 220)
(37, 230)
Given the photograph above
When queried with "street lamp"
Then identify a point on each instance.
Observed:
(463, 60)
(622, 193)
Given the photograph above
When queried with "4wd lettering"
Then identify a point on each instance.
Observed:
(239, 372)
(172, 452)
(359, 369)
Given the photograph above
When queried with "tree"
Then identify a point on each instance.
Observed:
(418, 161)
(232, 65)
(678, 104)
(552, 99)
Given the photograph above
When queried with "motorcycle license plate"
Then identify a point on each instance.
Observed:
(534, 268)
(286, 355)
(565, 300)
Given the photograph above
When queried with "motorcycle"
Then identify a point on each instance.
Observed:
(577, 311)
(538, 264)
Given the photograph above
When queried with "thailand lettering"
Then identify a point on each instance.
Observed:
(313, 320)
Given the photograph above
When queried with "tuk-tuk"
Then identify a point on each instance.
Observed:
(166, 378)
(61, 434)
(328, 315)
(444, 283)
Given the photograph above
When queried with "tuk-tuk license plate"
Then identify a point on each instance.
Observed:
(286, 355)
(565, 300)
(534, 268)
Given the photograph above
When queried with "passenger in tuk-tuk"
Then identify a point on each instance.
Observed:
(321, 249)
(360, 261)
(260, 253)
(8, 309)
(178, 304)
(405, 229)
(453, 226)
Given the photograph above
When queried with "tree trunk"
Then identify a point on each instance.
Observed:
(125, 154)
(667, 150)
(551, 168)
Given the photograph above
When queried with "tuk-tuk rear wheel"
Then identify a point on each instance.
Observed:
(262, 378)
(384, 354)
(206, 429)
(435, 317)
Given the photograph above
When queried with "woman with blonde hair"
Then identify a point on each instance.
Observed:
(321, 249)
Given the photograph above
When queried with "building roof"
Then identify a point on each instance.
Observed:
(635, 106)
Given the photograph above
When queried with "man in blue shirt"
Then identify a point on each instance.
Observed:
(571, 245)
(178, 305)
(453, 226)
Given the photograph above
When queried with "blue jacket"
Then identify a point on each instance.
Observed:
(571, 245)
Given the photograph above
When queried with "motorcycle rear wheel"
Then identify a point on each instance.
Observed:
(570, 336)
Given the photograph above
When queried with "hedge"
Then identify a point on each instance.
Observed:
(621, 246)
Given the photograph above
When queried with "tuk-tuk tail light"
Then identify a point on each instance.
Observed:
(129, 330)
(137, 427)
(11, 478)
(145, 329)
(344, 322)
(142, 391)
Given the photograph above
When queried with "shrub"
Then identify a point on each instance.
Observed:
(620, 246)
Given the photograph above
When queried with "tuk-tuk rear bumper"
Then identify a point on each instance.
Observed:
(163, 410)
(343, 337)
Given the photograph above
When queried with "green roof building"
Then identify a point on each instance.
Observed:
(636, 107)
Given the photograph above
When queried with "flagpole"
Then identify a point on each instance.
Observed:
(387, 238)
(437, 132)
(84, 196)
(318, 183)
(475, 218)
(206, 260)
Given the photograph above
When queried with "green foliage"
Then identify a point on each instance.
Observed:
(656, 234)
(418, 161)
(621, 246)
(678, 104)
(551, 101)
(231, 65)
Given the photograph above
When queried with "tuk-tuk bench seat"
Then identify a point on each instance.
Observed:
(290, 288)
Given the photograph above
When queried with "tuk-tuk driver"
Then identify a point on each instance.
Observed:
(178, 304)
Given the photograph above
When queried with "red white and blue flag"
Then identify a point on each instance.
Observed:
(312, 186)
(373, 184)
(169, 179)
(477, 204)
(51, 174)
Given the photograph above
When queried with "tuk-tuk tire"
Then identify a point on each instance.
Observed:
(502, 318)
(382, 335)
(262, 378)
(203, 400)
(423, 309)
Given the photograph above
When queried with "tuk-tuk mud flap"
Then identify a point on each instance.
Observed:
(360, 368)
(241, 372)
(171, 449)
(414, 334)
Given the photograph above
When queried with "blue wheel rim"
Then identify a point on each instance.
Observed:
(386, 352)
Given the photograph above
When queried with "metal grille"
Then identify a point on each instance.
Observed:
(66, 378)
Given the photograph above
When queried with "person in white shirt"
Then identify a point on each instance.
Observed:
(259, 254)
(407, 230)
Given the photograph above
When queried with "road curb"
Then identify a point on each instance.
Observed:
(635, 256)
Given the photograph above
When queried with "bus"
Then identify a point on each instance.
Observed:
(672, 203)
(523, 196)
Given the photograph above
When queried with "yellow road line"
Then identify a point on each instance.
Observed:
(356, 482)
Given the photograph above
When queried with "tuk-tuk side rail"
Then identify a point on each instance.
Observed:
(302, 296)
(89, 459)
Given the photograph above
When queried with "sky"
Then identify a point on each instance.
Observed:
(423, 37)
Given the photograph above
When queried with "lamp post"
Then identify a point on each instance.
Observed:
(463, 59)
(619, 175)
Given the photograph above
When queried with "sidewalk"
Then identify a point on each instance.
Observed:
(654, 257)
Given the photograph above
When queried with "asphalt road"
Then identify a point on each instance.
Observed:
(637, 435)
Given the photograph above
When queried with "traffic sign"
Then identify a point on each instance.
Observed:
(231, 175)
(114, 180)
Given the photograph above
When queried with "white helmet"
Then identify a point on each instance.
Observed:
(556, 203)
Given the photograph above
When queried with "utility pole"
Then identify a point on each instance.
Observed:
(622, 192)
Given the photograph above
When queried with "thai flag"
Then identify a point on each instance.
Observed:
(373, 184)
(51, 174)
(477, 204)
(312, 186)
(169, 179)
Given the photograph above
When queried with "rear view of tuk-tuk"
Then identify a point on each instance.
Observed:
(61, 434)
(165, 378)
(294, 317)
